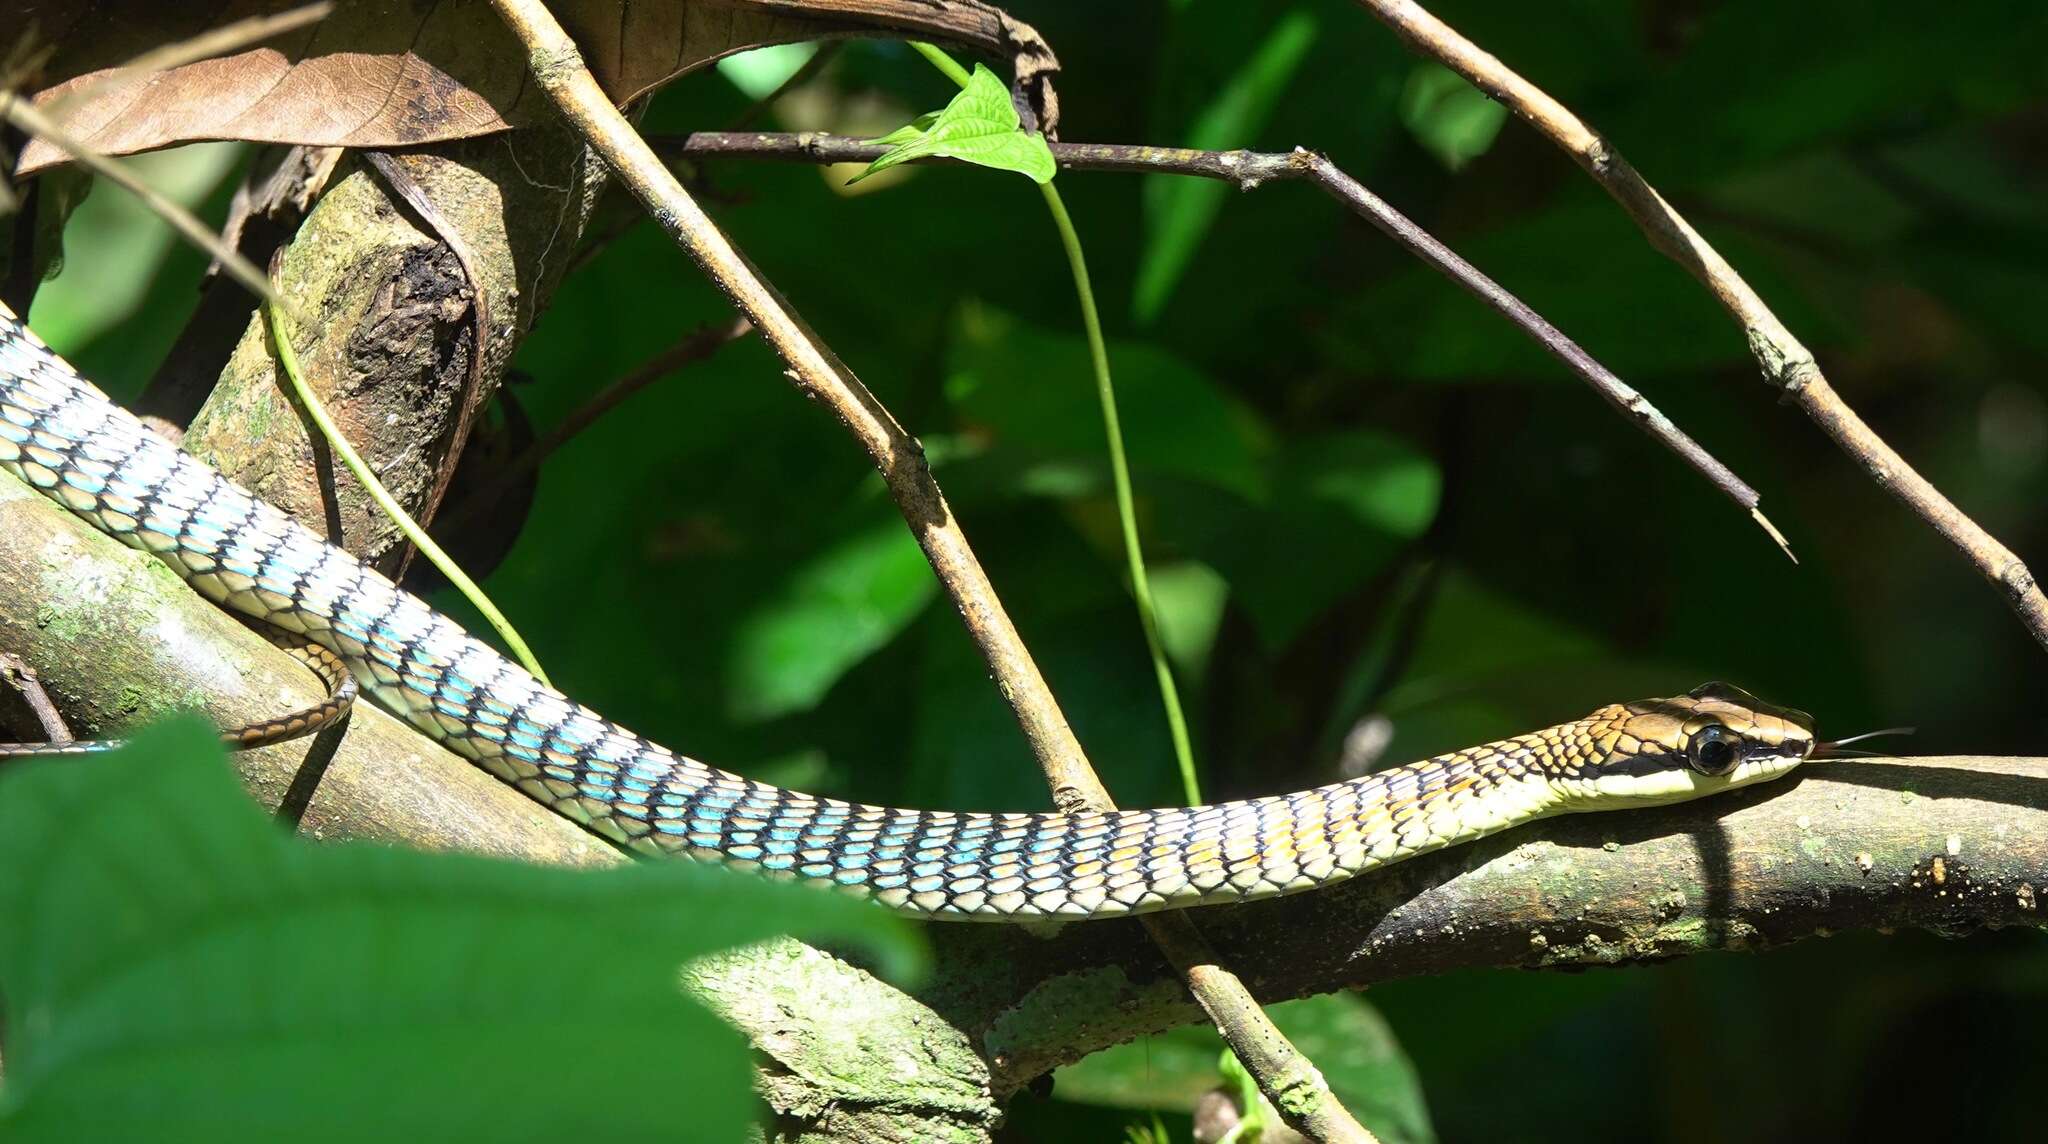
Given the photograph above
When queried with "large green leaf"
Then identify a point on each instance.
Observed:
(831, 613)
(176, 968)
(1029, 392)
(1335, 509)
(1453, 120)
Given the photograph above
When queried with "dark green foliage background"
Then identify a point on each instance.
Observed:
(1409, 512)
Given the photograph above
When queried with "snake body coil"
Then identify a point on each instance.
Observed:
(64, 437)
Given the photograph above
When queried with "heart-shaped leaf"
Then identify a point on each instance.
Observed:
(980, 126)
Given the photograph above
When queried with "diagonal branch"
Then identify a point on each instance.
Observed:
(1288, 1079)
(558, 68)
(1785, 362)
(1251, 169)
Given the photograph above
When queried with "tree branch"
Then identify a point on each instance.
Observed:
(1950, 844)
(558, 67)
(1785, 362)
(1284, 1075)
(1249, 170)
(117, 641)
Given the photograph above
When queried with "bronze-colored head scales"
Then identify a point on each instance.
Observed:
(1714, 737)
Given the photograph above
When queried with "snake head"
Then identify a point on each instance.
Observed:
(1712, 738)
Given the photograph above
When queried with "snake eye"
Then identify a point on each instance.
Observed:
(1712, 750)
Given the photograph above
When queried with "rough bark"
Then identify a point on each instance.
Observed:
(387, 336)
(1951, 844)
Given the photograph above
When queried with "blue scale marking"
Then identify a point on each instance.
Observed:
(646, 771)
(579, 737)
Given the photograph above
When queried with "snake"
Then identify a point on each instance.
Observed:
(63, 436)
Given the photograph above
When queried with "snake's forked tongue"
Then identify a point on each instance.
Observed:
(1833, 749)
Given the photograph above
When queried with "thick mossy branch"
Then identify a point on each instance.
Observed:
(1947, 844)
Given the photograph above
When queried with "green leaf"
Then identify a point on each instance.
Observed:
(832, 613)
(1189, 598)
(1179, 211)
(1342, 1033)
(760, 71)
(1376, 479)
(1027, 391)
(980, 126)
(910, 132)
(1340, 506)
(175, 968)
(1453, 120)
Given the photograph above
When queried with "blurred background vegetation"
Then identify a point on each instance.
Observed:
(1382, 524)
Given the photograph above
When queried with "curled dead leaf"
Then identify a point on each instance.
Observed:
(393, 73)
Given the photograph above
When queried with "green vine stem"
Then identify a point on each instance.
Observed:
(288, 362)
(1119, 466)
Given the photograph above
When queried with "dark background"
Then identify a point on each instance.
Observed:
(1369, 501)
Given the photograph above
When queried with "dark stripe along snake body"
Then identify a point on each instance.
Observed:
(64, 437)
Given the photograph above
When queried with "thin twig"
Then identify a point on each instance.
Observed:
(27, 118)
(695, 346)
(1786, 363)
(324, 428)
(1250, 169)
(16, 673)
(558, 68)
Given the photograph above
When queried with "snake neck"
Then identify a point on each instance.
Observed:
(63, 437)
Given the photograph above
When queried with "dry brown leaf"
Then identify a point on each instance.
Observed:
(394, 73)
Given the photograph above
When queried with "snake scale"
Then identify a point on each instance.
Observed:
(64, 437)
